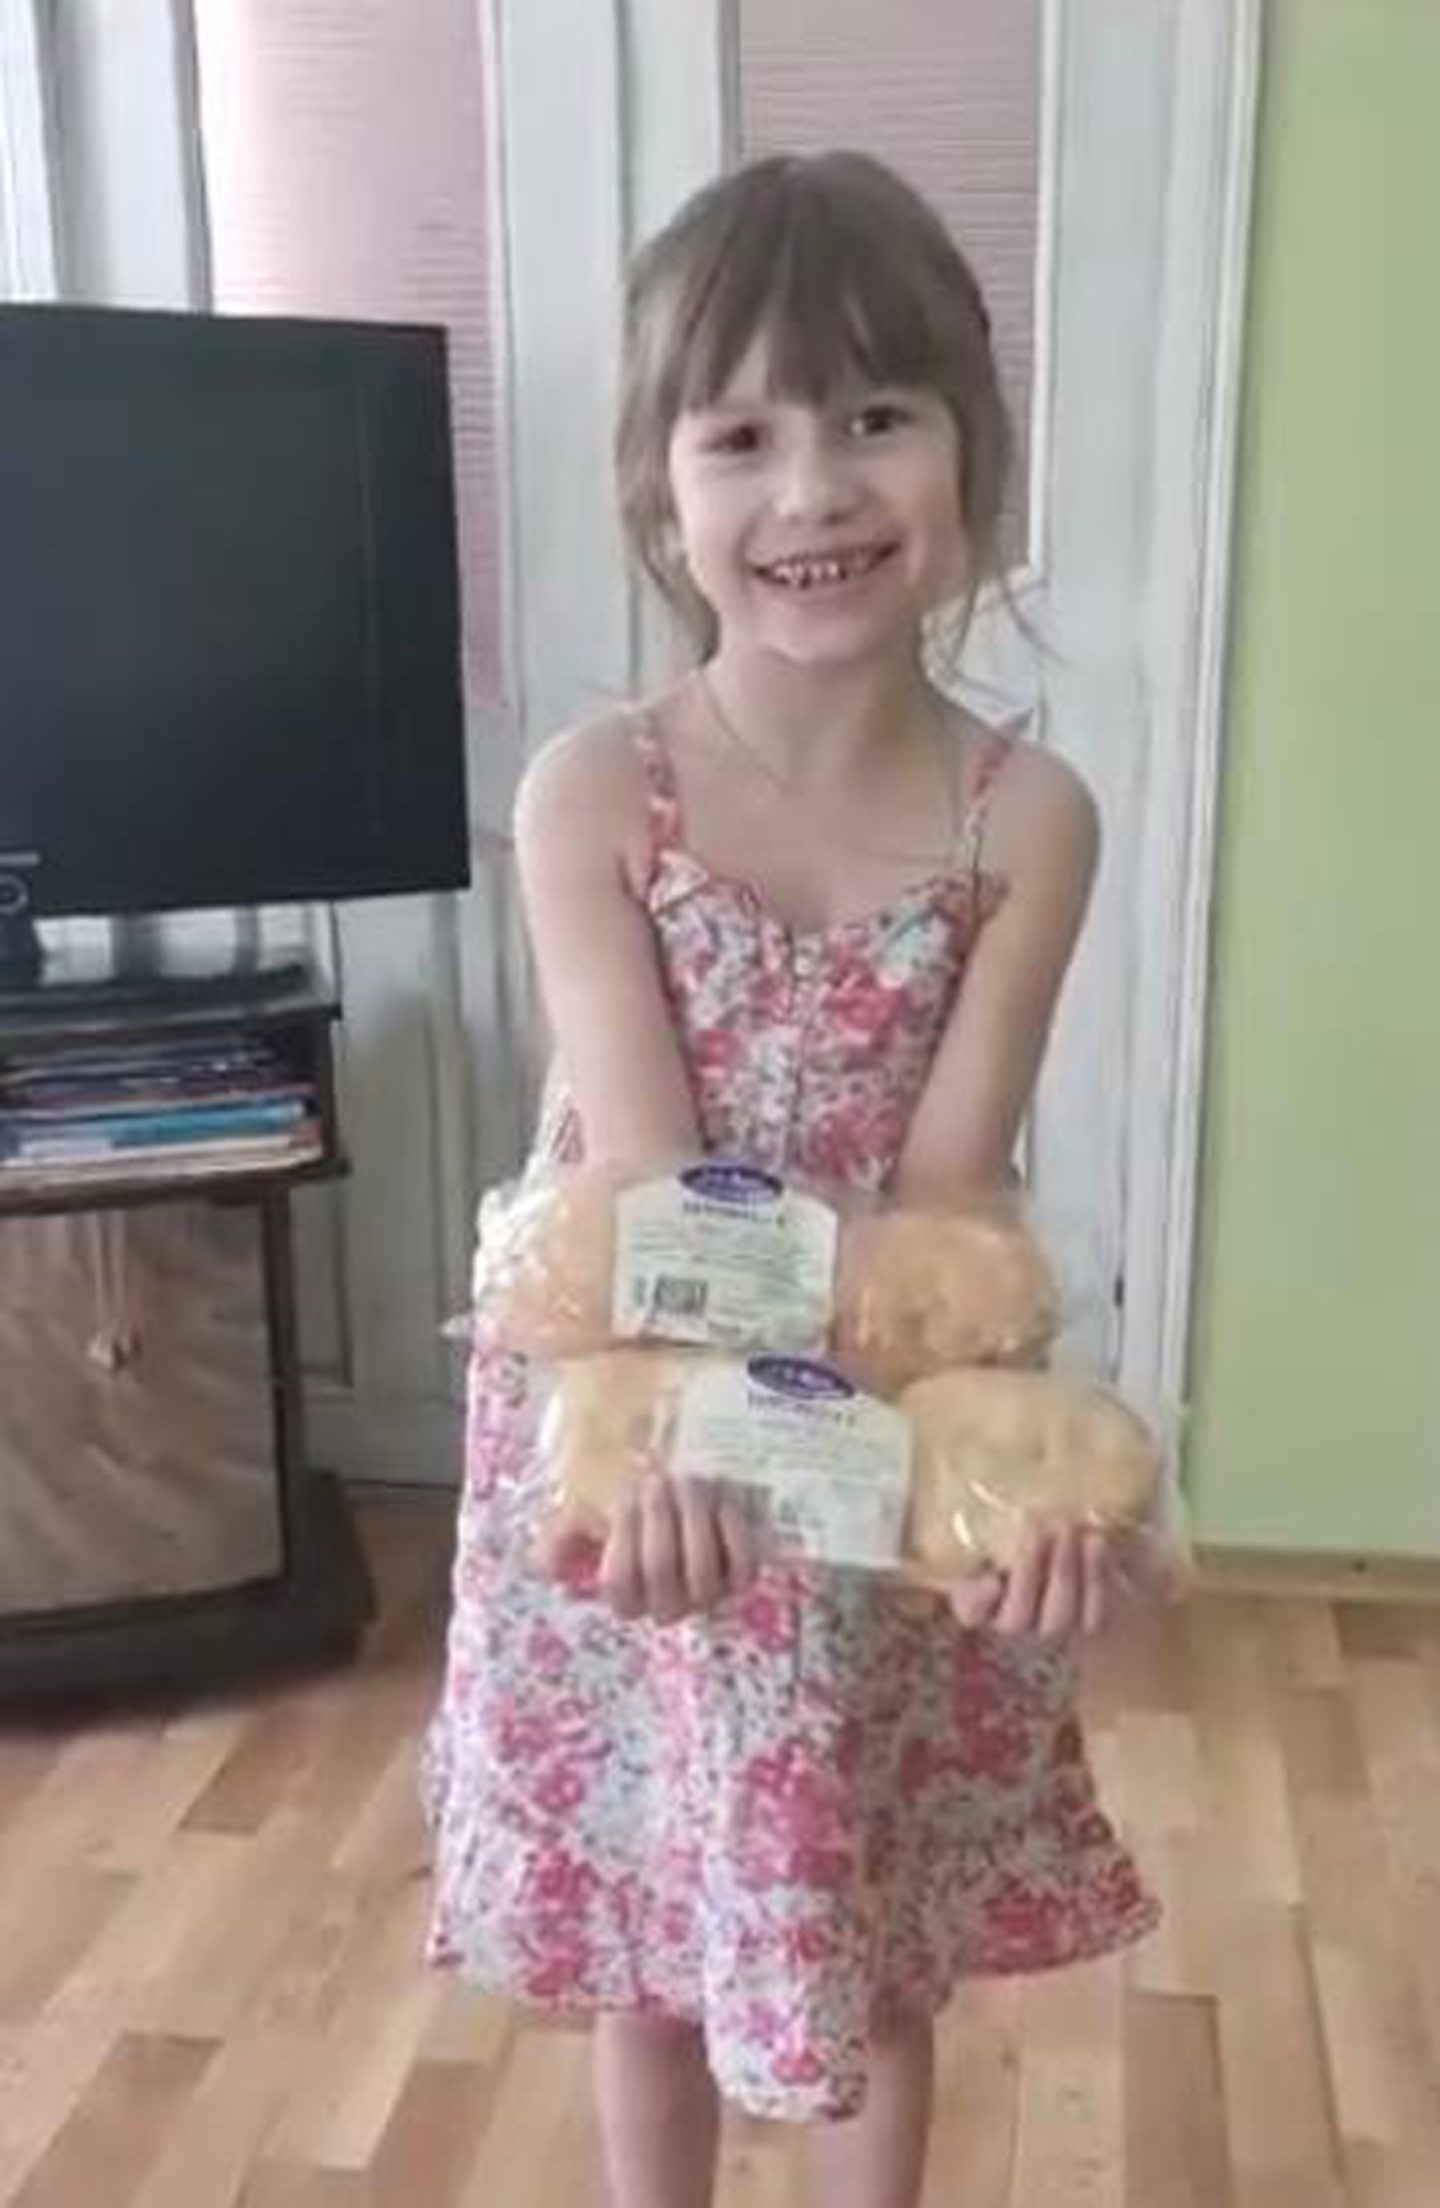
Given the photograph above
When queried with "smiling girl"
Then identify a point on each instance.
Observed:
(803, 909)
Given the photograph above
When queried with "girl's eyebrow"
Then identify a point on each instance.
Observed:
(725, 407)
(846, 392)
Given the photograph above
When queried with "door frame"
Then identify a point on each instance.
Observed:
(649, 97)
(1199, 388)
(27, 206)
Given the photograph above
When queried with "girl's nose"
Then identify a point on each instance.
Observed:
(812, 480)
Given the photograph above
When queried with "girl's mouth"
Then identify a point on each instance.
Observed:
(805, 572)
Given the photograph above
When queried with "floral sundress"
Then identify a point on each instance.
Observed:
(826, 1801)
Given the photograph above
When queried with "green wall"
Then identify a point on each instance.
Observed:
(1317, 1345)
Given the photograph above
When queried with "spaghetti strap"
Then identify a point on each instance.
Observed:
(662, 795)
(997, 746)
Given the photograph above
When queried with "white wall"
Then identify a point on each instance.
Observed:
(127, 203)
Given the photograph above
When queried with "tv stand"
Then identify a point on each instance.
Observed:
(75, 981)
(159, 1522)
(55, 990)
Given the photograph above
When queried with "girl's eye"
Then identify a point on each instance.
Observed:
(879, 417)
(735, 440)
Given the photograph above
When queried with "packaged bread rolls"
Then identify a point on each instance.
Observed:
(714, 1253)
(919, 1293)
(545, 1262)
(609, 1421)
(721, 1255)
(954, 1473)
(995, 1450)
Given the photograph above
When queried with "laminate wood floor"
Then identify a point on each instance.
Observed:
(210, 1923)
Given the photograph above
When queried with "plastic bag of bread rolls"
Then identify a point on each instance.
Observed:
(545, 1262)
(719, 1255)
(919, 1293)
(822, 1470)
(713, 1253)
(997, 1450)
(932, 1489)
(609, 1421)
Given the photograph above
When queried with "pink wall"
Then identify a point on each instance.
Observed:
(947, 91)
(346, 175)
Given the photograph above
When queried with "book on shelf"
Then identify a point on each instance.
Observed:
(60, 1100)
(101, 1134)
(175, 1161)
(130, 1068)
(139, 1061)
(152, 1107)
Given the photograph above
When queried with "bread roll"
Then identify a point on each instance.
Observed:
(920, 1293)
(610, 1421)
(545, 1267)
(994, 1449)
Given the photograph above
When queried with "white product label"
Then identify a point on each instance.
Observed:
(834, 1465)
(726, 1257)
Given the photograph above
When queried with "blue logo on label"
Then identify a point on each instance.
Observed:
(731, 1184)
(801, 1377)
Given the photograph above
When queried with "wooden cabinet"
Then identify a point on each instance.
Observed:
(159, 1520)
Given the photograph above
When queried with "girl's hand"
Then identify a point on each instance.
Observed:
(1056, 1590)
(678, 1548)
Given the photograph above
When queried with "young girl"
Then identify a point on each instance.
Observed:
(803, 909)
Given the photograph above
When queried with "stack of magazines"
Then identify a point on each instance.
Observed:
(158, 1108)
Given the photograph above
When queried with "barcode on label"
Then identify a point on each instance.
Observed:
(672, 1297)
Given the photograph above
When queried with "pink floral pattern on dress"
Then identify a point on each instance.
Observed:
(826, 1802)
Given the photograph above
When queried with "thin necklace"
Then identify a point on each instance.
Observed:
(950, 767)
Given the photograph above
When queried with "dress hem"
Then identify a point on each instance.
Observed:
(580, 2012)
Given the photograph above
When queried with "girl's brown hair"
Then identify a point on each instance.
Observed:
(844, 270)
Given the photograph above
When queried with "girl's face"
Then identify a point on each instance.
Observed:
(820, 532)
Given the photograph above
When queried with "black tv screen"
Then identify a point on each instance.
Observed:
(229, 630)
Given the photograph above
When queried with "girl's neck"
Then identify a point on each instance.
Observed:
(810, 723)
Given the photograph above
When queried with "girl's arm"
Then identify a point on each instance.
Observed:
(1043, 840)
(582, 847)
(581, 844)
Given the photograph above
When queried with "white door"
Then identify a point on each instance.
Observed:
(1144, 117)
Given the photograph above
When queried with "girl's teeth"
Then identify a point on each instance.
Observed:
(804, 574)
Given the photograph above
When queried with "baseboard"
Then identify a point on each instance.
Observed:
(1331, 1575)
(1300, 1574)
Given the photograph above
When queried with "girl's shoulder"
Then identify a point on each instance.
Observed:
(595, 755)
(591, 787)
(1038, 807)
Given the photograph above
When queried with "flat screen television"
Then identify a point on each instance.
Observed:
(229, 613)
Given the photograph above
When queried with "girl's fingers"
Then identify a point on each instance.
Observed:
(1095, 1557)
(620, 1579)
(975, 1601)
(1060, 1598)
(703, 1559)
(678, 1548)
(661, 1552)
(1057, 1587)
(683, 1547)
(739, 1538)
(1025, 1588)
